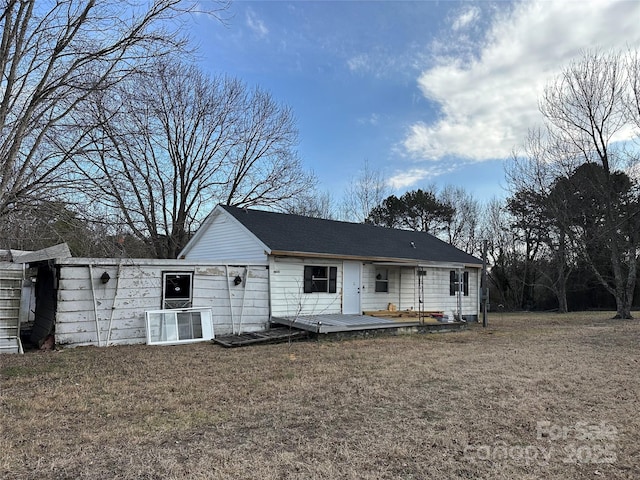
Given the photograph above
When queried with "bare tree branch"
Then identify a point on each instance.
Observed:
(52, 57)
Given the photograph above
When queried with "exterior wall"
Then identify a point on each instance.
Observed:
(244, 307)
(404, 290)
(10, 306)
(372, 300)
(287, 288)
(225, 239)
(409, 281)
(437, 295)
(289, 299)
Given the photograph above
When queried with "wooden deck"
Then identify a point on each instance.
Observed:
(332, 323)
(337, 327)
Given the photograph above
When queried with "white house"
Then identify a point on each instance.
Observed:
(319, 266)
(243, 269)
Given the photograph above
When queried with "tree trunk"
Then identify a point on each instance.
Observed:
(561, 290)
(623, 306)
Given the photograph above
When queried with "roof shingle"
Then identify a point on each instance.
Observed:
(294, 233)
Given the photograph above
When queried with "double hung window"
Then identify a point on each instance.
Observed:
(454, 283)
(382, 280)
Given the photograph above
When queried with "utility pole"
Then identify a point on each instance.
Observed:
(484, 287)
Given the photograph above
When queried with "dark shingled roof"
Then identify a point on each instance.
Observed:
(294, 233)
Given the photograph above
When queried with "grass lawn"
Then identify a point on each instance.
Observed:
(532, 396)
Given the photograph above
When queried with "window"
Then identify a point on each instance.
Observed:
(320, 279)
(454, 283)
(179, 326)
(176, 291)
(382, 279)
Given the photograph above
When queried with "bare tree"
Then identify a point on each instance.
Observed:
(585, 108)
(364, 193)
(173, 142)
(262, 166)
(632, 101)
(315, 204)
(462, 229)
(531, 175)
(54, 54)
(502, 253)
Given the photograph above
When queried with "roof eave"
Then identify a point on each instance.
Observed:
(377, 260)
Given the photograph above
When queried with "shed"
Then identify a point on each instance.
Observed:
(319, 266)
(111, 301)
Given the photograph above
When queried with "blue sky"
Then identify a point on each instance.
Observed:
(426, 92)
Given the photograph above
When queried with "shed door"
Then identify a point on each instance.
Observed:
(351, 288)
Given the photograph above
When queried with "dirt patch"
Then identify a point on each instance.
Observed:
(532, 396)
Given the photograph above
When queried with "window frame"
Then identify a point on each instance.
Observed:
(171, 332)
(331, 279)
(177, 302)
(454, 280)
(381, 282)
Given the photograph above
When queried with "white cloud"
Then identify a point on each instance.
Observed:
(467, 17)
(256, 24)
(487, 102)
(409, 178)
(373, 120)
(359, 63)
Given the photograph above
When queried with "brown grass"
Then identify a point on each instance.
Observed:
(457, 405)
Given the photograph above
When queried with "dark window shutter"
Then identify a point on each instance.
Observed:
(452, 282)
(333, 275)
(308, 279)
(466, 284)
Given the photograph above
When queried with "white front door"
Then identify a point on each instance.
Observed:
(351, 288)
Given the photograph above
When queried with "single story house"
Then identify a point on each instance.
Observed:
(240, 271)
(317, 266)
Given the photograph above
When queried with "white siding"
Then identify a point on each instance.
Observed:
(243, 307)
(10, 295)
(224, 239)
(437, 294)
(287, 289)
(409, 294)
(372, 300)
(405, 291)
(288, 297)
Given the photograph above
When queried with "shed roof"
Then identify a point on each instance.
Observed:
(296, 234)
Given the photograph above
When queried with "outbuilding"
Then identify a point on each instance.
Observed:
(113, 301)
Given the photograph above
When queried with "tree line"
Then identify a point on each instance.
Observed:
(113, 140)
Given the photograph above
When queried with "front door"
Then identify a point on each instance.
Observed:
(351, 288)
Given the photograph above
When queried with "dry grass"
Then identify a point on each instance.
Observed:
(462, 405)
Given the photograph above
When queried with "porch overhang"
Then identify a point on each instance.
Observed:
(382, 261)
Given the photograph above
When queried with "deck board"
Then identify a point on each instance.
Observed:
(273, 335)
